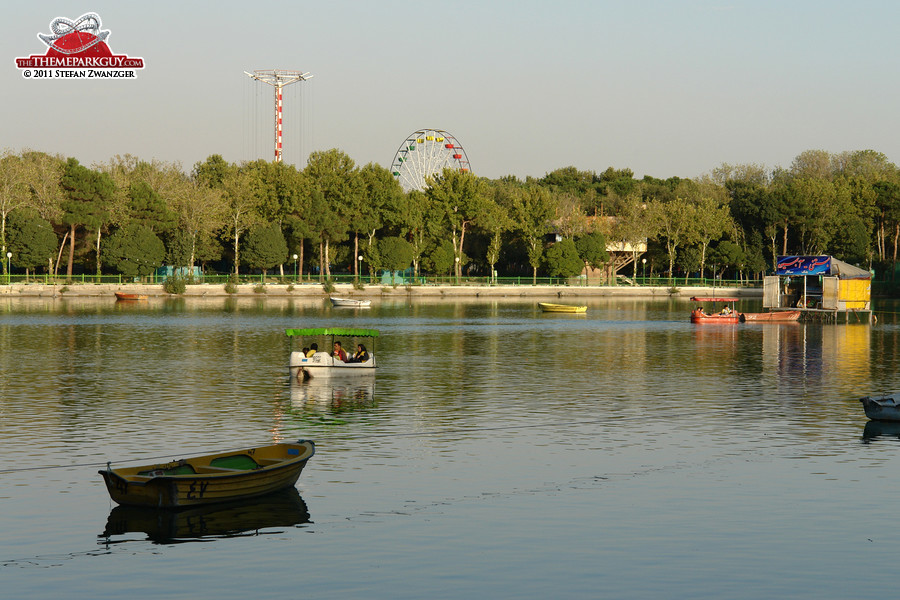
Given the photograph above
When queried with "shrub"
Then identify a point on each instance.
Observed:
(231, 286)
(259, 288)
(175, 285)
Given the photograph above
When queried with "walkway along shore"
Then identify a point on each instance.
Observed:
(373, 292)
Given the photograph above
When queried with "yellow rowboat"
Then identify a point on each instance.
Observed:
(561, 308)
(212, 478)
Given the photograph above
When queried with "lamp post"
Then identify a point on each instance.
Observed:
(359, 270)
(644, 270)
(295, 268)
(8, 272)
(456, 270)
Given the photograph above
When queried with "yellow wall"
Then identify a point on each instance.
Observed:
(856, 292)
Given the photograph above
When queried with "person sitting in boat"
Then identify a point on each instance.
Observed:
(313, 348)
(700, 312)
(339, 352)
(725, 310)
(360, 356)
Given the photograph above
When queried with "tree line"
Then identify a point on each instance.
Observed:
(131, 216)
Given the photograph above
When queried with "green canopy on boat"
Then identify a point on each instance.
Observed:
(333, 331)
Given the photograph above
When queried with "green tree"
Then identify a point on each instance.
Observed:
(146, 207)
(15, 193)
(562, 259)
(242, 209)
(87, 194)
(265, 247)
(461, 197)
(135, 251)
(592, 250)
(44, 177)
(633, 227)
(887, 202)
(726, 254)
(532, 210)
(282, 192)
(336, 189)
(688, 260)
(380, 197)
(675, 223)
(212, 172)
(32, 241)
(713, 217)
(395, 253)
(201, 211)
(418, 220)
(442, 257)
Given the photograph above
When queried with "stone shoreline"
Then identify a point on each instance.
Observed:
(308, 290)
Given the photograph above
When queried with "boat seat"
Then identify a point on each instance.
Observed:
(237, 462)
(208, 469)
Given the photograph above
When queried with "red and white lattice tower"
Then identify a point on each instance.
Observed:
(278, 78)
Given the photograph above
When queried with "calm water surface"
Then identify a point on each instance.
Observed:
(499, 452)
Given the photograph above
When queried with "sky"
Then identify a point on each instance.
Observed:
(664, 88)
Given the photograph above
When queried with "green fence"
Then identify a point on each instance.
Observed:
(377, 280)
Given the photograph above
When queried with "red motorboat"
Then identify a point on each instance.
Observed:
(726, 316)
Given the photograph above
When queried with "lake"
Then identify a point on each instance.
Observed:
(499, 452)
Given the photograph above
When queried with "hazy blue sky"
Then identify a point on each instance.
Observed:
(663, 88)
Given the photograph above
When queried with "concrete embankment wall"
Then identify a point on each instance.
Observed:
(373, 292)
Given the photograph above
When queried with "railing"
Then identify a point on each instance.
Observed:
(524, 280)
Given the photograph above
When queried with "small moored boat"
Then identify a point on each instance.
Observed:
(561, 308)
(127, 296)
(882, 408)
(212, 478)
(350, 303)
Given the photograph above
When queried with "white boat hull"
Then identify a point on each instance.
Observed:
(350, 303)
(322, 364)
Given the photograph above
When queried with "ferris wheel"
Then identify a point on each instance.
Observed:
(426, 153)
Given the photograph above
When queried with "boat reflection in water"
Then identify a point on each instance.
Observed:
(227, 519)
(875, 429)
(335, 393)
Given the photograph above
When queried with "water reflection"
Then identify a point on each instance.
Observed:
(229, 519)
(876, 429)
(336, 394)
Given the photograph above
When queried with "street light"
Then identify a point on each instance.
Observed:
(644, 270)
(456, 271)
(295, 267)
(359, 269)
(8, 271)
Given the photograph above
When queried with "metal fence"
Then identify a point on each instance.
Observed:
(382, 280)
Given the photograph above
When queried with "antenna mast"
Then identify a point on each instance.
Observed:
(278, 78)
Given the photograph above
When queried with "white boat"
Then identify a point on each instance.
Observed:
(321, 362)
(350, 302)
(882, 408)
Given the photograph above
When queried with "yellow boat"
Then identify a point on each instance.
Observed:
(211, 478)
(561, 308)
